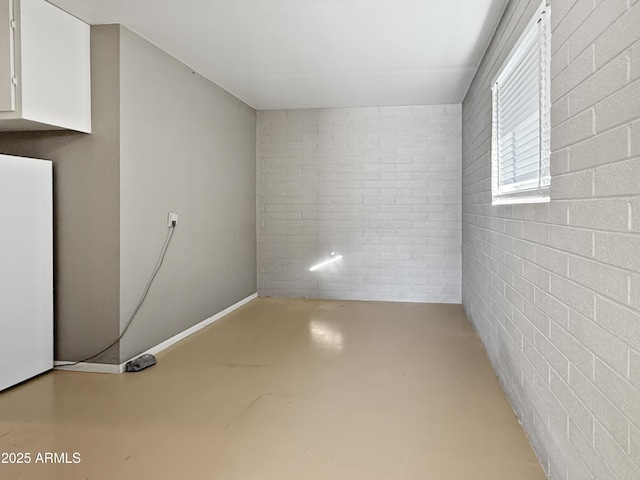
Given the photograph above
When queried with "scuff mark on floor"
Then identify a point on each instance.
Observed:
(282, 395)
(246, 365)
(243, 412)
(404, 467)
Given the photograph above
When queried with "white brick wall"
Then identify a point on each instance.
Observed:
(380, 186)
(554, 289)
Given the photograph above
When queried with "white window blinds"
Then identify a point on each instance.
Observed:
(520, 151)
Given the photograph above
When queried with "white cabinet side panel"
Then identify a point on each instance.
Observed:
(7, 89)
(26, 269)
(56, 72)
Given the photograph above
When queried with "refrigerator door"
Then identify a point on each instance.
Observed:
(26, 269)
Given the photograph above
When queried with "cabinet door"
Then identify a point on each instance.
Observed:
(7, 87)
(26, 278)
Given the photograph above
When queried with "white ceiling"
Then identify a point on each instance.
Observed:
(283, 54)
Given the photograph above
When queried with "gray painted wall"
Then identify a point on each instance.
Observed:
(163, 139)
(86, 211)
(190, 147)
(380, 186)
(552, 289)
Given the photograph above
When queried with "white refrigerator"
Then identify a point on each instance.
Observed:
(26, 269)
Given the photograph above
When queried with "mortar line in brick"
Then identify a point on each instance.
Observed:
(555, 48)
(592, 44)
(593, 106)
(593, 385)
(568, 278)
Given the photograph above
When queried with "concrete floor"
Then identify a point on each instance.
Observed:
(283, 389)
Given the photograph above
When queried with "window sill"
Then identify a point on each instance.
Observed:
(517, 199)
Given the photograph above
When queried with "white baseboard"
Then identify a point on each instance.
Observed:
(198, 326)
(110, 368)
(89, 367)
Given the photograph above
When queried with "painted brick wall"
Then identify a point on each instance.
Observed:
(380, 186)
(554, 289)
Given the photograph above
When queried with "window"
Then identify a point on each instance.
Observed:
(520, 123)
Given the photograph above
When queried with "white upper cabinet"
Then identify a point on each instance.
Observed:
(45, 73)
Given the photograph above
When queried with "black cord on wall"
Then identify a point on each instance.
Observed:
(163, 253)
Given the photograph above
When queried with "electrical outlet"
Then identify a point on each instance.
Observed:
(172, 217)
